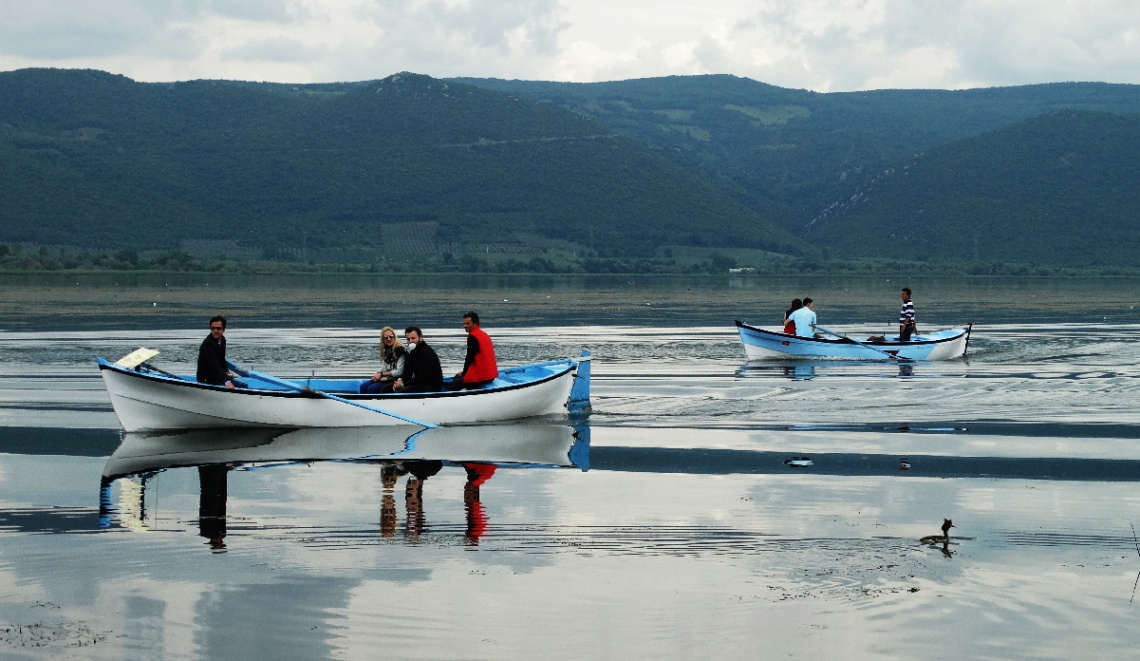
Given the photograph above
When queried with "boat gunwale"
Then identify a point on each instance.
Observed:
(309, 394)
(965, 330)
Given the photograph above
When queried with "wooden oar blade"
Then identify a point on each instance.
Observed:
(136, 358)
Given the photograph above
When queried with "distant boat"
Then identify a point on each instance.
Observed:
(148, 399)
(939, 345)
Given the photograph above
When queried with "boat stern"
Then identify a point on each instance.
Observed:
(579, 402)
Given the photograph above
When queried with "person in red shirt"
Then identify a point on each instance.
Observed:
(480, 367)
(789, 325)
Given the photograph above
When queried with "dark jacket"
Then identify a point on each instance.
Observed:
(422, 371)
(212, 362)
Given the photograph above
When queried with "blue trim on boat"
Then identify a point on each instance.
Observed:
(789, 345)
(290, 394)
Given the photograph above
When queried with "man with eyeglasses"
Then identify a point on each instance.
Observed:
(212, 368)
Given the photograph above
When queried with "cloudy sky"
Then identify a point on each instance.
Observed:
(824, 45)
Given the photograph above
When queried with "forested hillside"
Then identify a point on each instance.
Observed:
(791, 153)
(1056, 189)
(98, 160)
(414, 172)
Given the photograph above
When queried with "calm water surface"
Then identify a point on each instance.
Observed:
(667, 525)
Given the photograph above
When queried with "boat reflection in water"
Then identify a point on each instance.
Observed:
(804, 370)
(399, 451)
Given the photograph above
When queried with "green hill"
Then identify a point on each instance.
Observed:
(412, 169)
(93, 159)
(788, 153)
(1057, 189)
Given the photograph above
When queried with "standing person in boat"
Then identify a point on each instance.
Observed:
(480, 366)
(804, 319)
(907, 326)
(422, 371)
(212, 368)
(789, 325)
(392, 356)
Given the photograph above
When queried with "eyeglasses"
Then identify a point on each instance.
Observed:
(389, 337)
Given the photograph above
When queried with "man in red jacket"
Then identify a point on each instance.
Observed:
(480, 367)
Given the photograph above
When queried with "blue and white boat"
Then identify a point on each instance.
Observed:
(147, 399)
(760, 344)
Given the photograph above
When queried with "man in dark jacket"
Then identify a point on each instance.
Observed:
(422, 371)
(212, 366)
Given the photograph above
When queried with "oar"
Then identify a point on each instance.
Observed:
(863, 344)
(297, 388)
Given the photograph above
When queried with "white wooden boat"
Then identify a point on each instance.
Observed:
(522, 444)
(939, 345)
(146, 398)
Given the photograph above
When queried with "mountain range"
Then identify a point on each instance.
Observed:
(426, 170)
(833, 168)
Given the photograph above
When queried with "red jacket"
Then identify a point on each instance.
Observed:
(484, 367)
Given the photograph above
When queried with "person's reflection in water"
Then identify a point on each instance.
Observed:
(212, 505)
(477, 474)
(799, 372)
(906, 369)
(390, 474)
(414, 494)
(105, 504)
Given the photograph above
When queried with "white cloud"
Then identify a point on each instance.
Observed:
(818, 44)
(270, 11)
(273, 49)
(71, 29)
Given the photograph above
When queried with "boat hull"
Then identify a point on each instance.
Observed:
(508, 444)
(760, 344)
(148, 401)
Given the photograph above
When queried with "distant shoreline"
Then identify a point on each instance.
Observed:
(112, 300)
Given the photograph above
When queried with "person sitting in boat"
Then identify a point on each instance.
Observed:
(907, 326)
(212, 367)
(804, 319)
(480, 366)
(789, 325)
(391, 364)
(422, 371)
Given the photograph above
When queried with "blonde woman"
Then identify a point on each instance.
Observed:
(392, 354)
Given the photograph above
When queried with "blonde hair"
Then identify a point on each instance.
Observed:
(395, 343)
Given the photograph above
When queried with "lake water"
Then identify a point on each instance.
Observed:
(669, 524)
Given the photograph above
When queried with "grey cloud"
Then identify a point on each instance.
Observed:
(76, 28)
(826, 45)
(933, 43)
(486, 24)
(711, 55)
(281, 49)
(271, 11)
(1090, 43)
(64, 31)
(1014, 43)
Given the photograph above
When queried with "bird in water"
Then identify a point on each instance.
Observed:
(944, 538)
